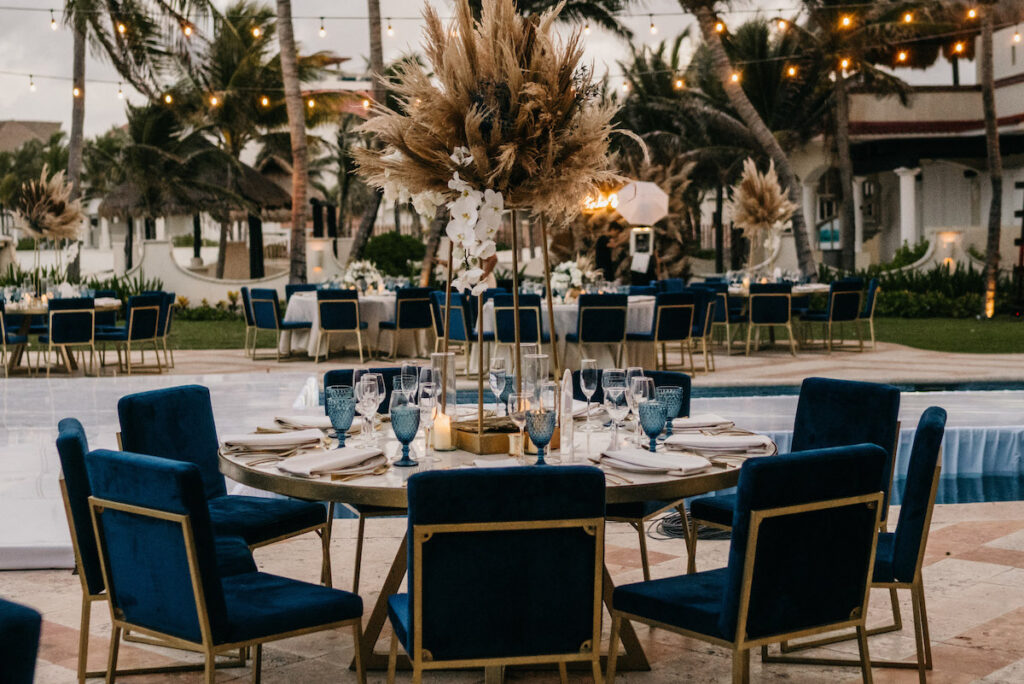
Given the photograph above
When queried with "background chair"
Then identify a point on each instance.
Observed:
(669, 285)
(339, 314)
(672, 322)
(250, 322)
(266, 314)
(770, 306)
(165, 329)
(868, 312)
(800, 560)
(642, 290)
(105, 319)
(10, 337)
(19, 642)
(531, 330)
(844, 306)
(177, 423)
(704, 315)
(460, 339)
(71, 324)
(601, 320)
(142, 325)
(505, 530)
(412, 314)
(157, 553)
(729, 312)
(232, 554)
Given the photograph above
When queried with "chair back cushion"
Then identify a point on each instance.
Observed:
(175, 423)
(19, 642)
(673, 316)
(457, 330)
(769, 303)
(165, 307)
(505, 318)
(72, 447)
(704, 310)
(917, 502)
(869, 300)
(143, 316)
(602, 318)
(810, 569)
(247, 307)
(669, 285)
(412, 307)
(844, 299)
(343, 376)
(146, 557)
(647, 290)
(71, 320)
(292, 288)
(339, 309)
(266, 312)
(505, 593)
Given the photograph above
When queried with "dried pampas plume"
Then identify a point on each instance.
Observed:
(759, 202)
(508, 89)
(45, 211)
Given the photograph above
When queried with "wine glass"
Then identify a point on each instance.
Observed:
(428, 409)
(652, 419)
(638, 389)
(410, 375)
(547, 393)
(366, 395)
(518, 405)
(405, 421)
(341, 409)
(382, 395)
(540, 424)
(588, 384)
(617, 407)
(671, 399)
(497, 379)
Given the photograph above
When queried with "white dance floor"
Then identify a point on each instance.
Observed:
(985, 434)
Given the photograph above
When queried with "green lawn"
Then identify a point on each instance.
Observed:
(1000, 335)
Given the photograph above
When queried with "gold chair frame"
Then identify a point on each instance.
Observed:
(617, 347)
(498, 346)
(206, 646)
(457, 347)
(62, 349)
(741, 644)
(722, 299)
(871, 317)
(706, 345)
(164, 334)
(683, 344)
(422, 659)
(397, 331)
(922, 641)
(828, 327)
(345, 331)
(126, 346)
(256, 330)
(639, 524)
(788, 325)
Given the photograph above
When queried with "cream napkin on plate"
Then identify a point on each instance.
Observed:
(721, 443)
(701, 421)
(638, 460)
(303, 422)
(348, 460)
(279, 441)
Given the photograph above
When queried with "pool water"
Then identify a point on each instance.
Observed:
(971, 489)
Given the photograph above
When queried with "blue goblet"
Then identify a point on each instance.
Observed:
(341, 409)
(405, 421)
(671, 399)
(652, 420)
(540, 425)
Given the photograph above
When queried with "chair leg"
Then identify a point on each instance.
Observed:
(750, 331)
(792, 340)
(325, 541)
(210, 671)
(392, 658)
(357, 638)
(563, 673)
(639, 527)
(359, 553)
(257, 664)
(865, 658)
(115, 642)
(925, 636)
(359, 343)
(741, 666)
(871, 327)
(595, 666)
(613, 649)
(83, 639)
(689, 538)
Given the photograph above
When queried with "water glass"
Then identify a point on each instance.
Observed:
(652, 420)
(588, 385)
(442, 366)
(410, 375)
(671, 399)
(518, 405)
(617, 407)
(405, 421)
(540, 425)
(497, 378)
(428, 409)
(547, 394)
(638, 390)
(366, 394)
(341, 409)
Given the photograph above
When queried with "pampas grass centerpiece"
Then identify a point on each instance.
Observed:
(44, 209)
(759, 205)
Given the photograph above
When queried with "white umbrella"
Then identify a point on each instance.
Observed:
(642, 203)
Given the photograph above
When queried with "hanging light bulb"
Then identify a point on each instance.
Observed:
(719, 27)
(972, 13)
(735, 78)
(844, 63)
(187, 30)
(783, 25)
(1016, 36)
(121, 28)
(76, 92)
(391, 31)
(625, 87)
(53, 21)
(791, 71)
(958, 48)
(846, 21)
(323, 30)
(654, 29)
(31, 84)
(120, 92)
(311, 103)
(680, 83)
(265, 101)
(214, 101)
(256, 32)
(168, 98)
(586, 29)
(908, 18)
(902, 56)
(366, 104)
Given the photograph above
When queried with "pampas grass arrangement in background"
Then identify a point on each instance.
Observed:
(44, 210)
(759, 202)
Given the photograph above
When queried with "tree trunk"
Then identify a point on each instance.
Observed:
(761, 134)
(847, 210)
(433, 240)
(255, 247)
(376, 51)
(317, 211)
(129, 244)
(222, 248)
(719, 233)
(197, 237)
(297, 129)
(365, 228)
(149, 228)
(398, 217)
(995, 161)
(76, 141)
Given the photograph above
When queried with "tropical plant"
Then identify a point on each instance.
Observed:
(603, 13)
(101, 167)
(25, 163)
(394, 253)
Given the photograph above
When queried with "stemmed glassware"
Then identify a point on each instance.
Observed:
(588, 385)
(497, 379)
(341, 409)
(652, 419)
(638, 390)
(405, 421)
(617, 407)
(518, 405)
(671, 399)
(540, 424)
(366, 395)
(410, 375)
(428, 409)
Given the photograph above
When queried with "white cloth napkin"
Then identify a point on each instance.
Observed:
(723, 443)
(349, 459)
(303, 422)
(278, 440)
(641, 460)
(701, 421)
(106, 301)
(495, 462)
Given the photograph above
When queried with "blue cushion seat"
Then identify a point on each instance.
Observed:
(295, 325)
(19, 642)
(692, 602)
(714, 509)
(113, 334)
(388, 325)
(400, 613)
(14, 338)
(258, 519)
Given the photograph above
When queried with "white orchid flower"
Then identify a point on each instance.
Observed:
(461, 156)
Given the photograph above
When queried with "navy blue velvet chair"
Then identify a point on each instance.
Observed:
(412, 314)
(343, 376)
(602, 319)
(164, 324)
(472, 309)
(233, 555)
(339, 314)
(266, 315)
(505, 566)
(531, 329)
(177, 423)
(730, 312)
(770, 306)
(642, 290)
(250, 322)
(900, 554)
(105, 319)
(672, 322)
(19, 642)
(844, 306)
(156, 545)
(460, 337)
(800, 560)
(10, 337)
(669, 285)
(71, 323)
(705, 304)
(142, 327)
(292, 288)
(868, 312)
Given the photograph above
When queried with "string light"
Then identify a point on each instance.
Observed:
(53, 21)
(121, 28)
(76, 92)
(187, 30)
(783, 25)
(972, 13)
(846, 21)
(844, 63)
(168, 99)
(120, 92)
(256, 32)
(311, 103)
(1016, 36)
(902, 56)
(586, 29)
(31, 84)
(366, 103)
(735, 78)
(654, 29)
(265, 101)
(719, 27)
(214, 101)
(323, 31)
(791, 71)
(680, 83)
(625, 87)
(908, 17)
(959, 47)
(391, 31)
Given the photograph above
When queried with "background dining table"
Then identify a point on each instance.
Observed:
(39, 307)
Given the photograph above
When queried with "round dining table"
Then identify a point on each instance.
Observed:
(389, 490)
(40, 307)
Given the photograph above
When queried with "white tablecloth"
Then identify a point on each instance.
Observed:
(372, 309)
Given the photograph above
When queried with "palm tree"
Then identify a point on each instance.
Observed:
(601, 13)
(995, 159)
(704, 11)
